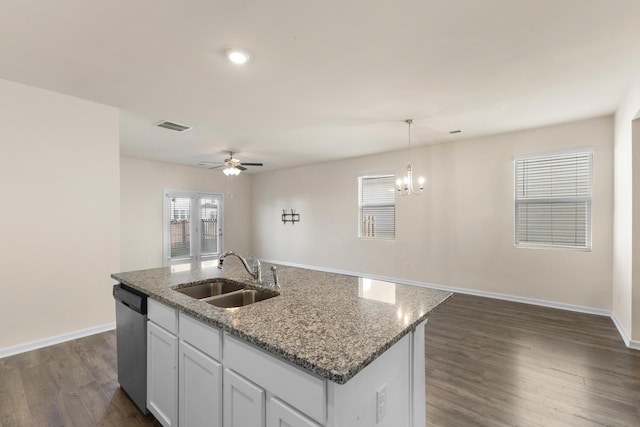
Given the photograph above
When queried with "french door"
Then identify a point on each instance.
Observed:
(192, 226)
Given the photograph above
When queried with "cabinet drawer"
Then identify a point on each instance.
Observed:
(300, 389)
(280, 414)
(203, 337)
(163, 315)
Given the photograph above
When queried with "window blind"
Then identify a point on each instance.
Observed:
(553, 200)
(377, 207)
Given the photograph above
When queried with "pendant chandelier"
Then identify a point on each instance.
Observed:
(405, 185)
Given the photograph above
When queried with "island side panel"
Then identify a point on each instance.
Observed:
(418, 377)
(357, 402)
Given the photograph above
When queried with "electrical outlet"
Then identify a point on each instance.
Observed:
(381, 403)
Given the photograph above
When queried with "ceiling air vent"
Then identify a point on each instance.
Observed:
(173, 126)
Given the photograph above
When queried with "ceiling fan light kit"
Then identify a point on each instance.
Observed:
(231, 171)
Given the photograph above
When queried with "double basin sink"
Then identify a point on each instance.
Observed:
(226, 293)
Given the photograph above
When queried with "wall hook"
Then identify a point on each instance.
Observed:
(292, 217)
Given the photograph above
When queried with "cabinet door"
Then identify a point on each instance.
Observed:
(244, 402)
(162, 374)
(282, 415)
(200, 391)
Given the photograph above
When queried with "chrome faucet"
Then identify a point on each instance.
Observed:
(256, 274)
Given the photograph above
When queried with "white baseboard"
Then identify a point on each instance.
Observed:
(526, 300)
(621, 330)
(45, 342)
(624, 334)
(495, 295)
(540, 302)
(57, 339)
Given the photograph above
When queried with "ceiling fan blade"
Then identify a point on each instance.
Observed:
(217, 167)
(241, 168)
(251, 164)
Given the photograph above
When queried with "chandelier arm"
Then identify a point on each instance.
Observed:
(405, 186)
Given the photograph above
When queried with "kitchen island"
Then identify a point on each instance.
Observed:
(330, 349)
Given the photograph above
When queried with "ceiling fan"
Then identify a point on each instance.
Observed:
(231, 166)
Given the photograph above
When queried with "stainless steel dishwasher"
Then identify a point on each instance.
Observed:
(131, 335)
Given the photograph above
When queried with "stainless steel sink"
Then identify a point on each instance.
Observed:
(240, 298)
(210, 289)
(226, 293)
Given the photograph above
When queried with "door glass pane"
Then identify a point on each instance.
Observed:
(180, 227)
(209, 242)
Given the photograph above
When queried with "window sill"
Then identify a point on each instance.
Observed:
(553, 247)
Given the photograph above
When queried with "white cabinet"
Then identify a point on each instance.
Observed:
(244, 402)
(200, 391)
(199, 376)
(184, 381)
(300, 389)
(162, 374)
(282, 415)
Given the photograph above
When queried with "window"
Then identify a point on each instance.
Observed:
(553, 200)
(377, 207)
(193, 226)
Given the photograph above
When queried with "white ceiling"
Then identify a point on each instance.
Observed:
(328, 79)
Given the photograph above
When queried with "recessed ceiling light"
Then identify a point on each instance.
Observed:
(238, 56)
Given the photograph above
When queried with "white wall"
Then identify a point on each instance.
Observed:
(625, 235)
(635, 228)
(141, 186)
(458, 233)
(60, 213)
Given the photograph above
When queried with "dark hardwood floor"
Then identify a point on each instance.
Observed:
(500, 363)
(489, 363)
(69, 384)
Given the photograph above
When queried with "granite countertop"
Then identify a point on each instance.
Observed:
(330, 324)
